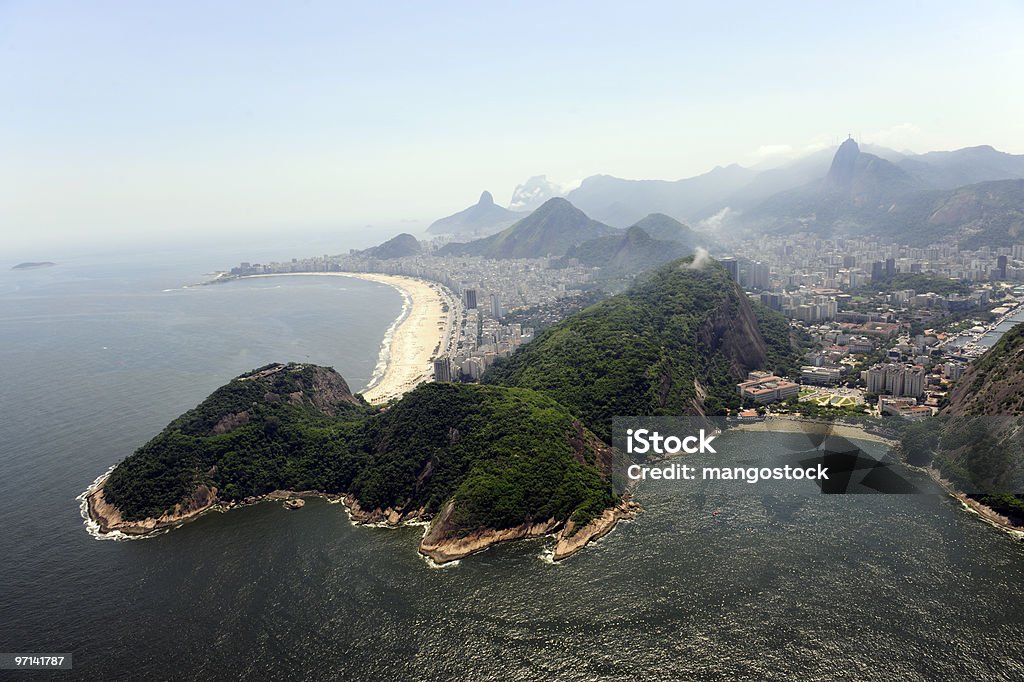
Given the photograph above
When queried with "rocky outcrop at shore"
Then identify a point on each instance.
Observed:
(436, 543)
(571, 540)
(110, 520)
(442, 548)
(389, 516)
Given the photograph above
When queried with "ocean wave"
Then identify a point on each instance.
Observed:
(433, 564)
(547, 555)
(384, 356)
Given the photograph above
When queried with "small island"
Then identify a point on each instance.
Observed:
(33, 265)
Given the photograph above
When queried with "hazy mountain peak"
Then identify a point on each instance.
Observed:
(637, 234)
(555, 204)
(483, 217)
(664, 227)
(844, 163)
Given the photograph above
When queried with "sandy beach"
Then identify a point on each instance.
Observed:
(424, 332)
(780, 424)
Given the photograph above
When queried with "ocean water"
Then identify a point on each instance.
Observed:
(95, 358)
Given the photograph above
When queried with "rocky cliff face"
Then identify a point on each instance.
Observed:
(242, 400)
(733, 332)
(257, 416)
(844, 165)
(976, 444)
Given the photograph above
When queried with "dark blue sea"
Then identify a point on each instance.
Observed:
(96, 356)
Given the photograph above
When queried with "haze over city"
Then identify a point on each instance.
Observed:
(178, 122)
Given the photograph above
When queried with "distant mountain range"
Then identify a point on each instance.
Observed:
(865, 194)
(971, 195)
(621, 202)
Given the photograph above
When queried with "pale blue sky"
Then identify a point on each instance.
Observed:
(186, 119)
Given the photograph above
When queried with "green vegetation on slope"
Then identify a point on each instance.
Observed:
(641, 352)
(977, 442)
(514, 451)
(505, 456)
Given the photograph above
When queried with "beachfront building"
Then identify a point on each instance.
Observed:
(443, 369)
(903, 407)
(763, 389)
(820, 376)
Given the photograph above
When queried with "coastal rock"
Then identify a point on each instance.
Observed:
(440, 546)
(389, 516)
(109, 517)
(571, 540)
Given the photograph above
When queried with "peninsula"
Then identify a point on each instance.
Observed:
(524, 454)
(484, 464)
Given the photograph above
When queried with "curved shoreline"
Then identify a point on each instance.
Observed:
(980, 510)
(380, 370)
(103, 522)
(419, 333)
(853, 431)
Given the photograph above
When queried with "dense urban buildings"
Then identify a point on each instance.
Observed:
(879, 320)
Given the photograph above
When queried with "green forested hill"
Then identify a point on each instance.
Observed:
(977, 441)
(506, 456)
(684, 331)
